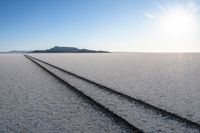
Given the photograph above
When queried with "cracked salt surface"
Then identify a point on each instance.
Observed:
(31, 100)
(168, 81)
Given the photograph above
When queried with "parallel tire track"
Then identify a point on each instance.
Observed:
(91, 100)
(167, 116)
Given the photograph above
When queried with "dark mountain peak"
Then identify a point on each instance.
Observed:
(57, 49)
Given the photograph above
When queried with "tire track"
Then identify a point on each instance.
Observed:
(91, 100)
(141, 114)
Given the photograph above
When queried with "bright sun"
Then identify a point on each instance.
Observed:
(176, 26)
(178, 22)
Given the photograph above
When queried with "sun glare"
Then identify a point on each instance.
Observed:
(176, 26)
(178, 22)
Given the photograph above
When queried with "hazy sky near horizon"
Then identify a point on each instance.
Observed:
(114, 25)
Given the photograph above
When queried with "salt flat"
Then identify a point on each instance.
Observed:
(168, 81)
(140, 114)
(31, 100)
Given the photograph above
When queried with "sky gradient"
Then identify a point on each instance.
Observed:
(114, 25)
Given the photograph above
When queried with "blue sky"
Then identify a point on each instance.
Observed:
(114, 25)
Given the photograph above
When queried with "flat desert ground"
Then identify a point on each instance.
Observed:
(104, 92)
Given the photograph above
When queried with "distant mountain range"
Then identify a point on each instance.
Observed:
(58, 49)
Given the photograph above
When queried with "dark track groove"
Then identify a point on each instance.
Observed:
(130, 98)
(91, 100)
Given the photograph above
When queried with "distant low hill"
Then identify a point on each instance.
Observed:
(13, 52)
(58, 49)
